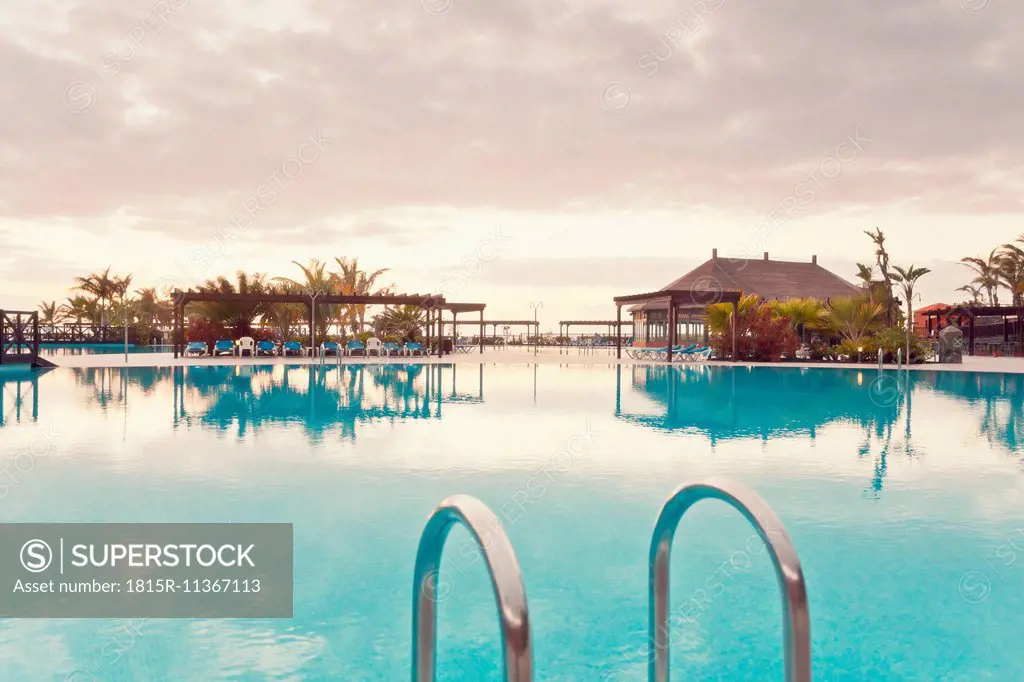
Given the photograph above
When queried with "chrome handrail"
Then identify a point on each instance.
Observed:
(506, 579)
(796, 618)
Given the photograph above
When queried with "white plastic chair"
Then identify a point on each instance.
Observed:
(246, 343)
(373, 346)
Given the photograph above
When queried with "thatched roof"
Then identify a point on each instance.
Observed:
(769, 279)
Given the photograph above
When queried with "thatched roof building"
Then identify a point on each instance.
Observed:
(769, 279)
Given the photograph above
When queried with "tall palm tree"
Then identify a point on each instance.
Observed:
(907, 280)
(1011, 270)
(882, 258)
(316, 281)
(102, 286)
(358, 283)
(865, 273)
(986, 274)
(49, 313)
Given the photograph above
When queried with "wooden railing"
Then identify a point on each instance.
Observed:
(19, 337)
(85, 332)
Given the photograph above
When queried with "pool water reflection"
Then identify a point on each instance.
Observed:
(902, 494)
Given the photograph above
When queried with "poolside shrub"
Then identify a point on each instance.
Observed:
(206, 330)
(761, 336)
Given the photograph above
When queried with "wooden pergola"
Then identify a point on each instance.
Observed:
(676, 300)
(432, 303)
(970, 313)
(494, 324)
(455, 309)
(568, 324)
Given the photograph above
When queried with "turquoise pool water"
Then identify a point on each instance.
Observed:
(53, 350)
(903, 496)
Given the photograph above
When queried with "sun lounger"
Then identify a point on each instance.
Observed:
(355, 347)
(390, 349)
(224, 347)
(292, 348)
(195, 348)
(412, 348)
(266, 348)
(330, 348)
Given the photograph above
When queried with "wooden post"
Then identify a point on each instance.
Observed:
(735, 315)
(970, 334)
(428, 328)
(618, 331)
(671, 328)
(481, 346)
(35, 339)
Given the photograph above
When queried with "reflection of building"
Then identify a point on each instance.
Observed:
(769, 279)
(727, 402)
(322, 398)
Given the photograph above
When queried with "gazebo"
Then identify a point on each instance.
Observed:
(709, 282)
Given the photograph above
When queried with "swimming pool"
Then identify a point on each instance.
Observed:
(903, 496)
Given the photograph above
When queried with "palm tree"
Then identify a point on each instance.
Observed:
(358, 283)
(882, 258)
(1011, 270)
(49, 313)
(285, 316)
(986, 274)
(238, 315)
(404, 321)
(151, 312)
(80, 307)
(316, 282)
(974, 291)
(719, 315)
(907, 280)
(803, 314)
(865, 273)
(853, 317)
(104, 287)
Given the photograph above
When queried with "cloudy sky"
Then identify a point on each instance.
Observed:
(561, 151)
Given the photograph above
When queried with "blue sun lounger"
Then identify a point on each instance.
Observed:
(197, 348)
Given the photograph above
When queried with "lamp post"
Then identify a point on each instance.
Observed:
(504, 339)
(125, 303)
(312, 318)
(536, 329)
(910, 322)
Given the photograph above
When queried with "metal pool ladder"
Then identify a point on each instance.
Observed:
(506, 579)
(796, 619)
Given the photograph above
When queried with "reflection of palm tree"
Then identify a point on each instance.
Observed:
(329, 398)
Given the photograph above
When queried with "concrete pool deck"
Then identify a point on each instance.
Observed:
(545, 356)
